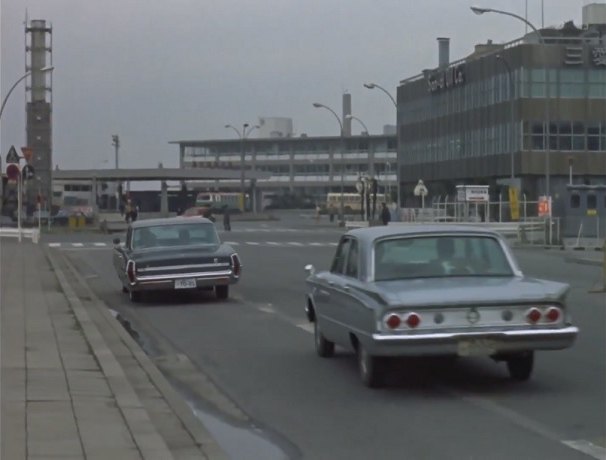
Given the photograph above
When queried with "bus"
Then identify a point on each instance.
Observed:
(352, 202)
(217, 200)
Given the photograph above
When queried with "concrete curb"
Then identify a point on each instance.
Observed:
(582, 261)
(149, 442)
(198, 432)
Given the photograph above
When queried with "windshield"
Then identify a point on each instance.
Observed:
(439, 256)
(175, 235)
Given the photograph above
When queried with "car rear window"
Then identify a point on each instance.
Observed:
(175, 235)
(439, 256)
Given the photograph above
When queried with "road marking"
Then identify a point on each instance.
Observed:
(587, 448)
(307, 327)
(294, 243)
(273, 243)
(267, 309)
(232, 243)
(54, 245)
(253, 243)
(333, 244)
(317, 244)
(100, 244)
(78, 245)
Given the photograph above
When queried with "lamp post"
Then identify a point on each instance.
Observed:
(395, 104)
(242, 135)
(322, 106)
(511, 114)
(546, 133)
(27, 74)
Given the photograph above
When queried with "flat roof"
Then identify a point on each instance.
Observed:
(156, 174)
(283, 139)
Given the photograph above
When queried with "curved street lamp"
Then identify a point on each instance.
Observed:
(351, 117)
(479, 11)
(317, 105)
(27, 74)
(242, 135)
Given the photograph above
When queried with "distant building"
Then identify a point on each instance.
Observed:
(454, 120)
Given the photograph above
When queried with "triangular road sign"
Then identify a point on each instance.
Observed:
(12, 156)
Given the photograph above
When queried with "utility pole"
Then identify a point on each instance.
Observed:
(116, 144)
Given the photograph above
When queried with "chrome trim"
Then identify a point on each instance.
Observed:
(181, 267)
(525, 333)
(176, 276)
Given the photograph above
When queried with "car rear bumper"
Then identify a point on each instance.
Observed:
(167, 282)
(471, 343)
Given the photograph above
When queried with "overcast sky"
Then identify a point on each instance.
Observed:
(153, 71)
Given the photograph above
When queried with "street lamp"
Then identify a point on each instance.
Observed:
(242, 135)
(317, 105)
(351, 117)
(395, 104)
(27, 74)
(546, 134)
(511, 109)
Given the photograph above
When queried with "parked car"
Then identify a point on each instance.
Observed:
(175, 254)
(433, 290)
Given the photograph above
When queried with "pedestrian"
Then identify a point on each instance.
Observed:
(128, 210)
(135, 213)
(226, 219)
(385, 214)
(317, 212)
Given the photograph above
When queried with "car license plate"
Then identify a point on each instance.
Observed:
(187, 283)
(476, 347)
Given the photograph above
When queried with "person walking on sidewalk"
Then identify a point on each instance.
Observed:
(226, 219)
(385, 214)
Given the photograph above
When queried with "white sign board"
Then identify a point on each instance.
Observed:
(476, 194)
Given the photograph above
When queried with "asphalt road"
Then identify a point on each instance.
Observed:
(258, 349)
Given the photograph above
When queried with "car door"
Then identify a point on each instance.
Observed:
(328, 294)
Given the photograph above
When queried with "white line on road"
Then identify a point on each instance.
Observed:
(54, 245)
(232, 243)
(307, 327)
(253, 243)
(316, 244)
(273, 243)
(587, 448)
(78, 245)
(100, 244)
(294, 243)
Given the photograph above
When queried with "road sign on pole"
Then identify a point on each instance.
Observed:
(28, 172)
(12, 156)
(13, 172)
(28, 153)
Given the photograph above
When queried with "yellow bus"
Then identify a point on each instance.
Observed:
(351, 201)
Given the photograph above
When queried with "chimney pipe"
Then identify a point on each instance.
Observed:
(443, 51)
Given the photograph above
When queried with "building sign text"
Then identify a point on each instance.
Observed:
(444, 79)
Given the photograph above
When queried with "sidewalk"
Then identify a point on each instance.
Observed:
(73, 383)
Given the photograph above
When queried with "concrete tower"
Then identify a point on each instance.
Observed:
(38, 106)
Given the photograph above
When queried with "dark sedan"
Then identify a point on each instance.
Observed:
(182, 253)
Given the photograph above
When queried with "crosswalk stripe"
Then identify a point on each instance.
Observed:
(253, 243)
(316, 244)
(232, 243)
(78, 245)
(54, 245)
(294, 243)
(100, 244)
(273, 243)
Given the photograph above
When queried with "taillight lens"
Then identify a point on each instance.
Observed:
(533, 315)
(413, 320)
(130, 271)
(236, 265)
(393, 321)
(553, 314)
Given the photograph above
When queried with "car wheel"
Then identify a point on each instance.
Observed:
(222, 292)
(369, 368)
(520, 365)
(134, 296)
(324, 348)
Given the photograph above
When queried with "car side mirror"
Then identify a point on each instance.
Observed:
(310, 269)
(116, 241)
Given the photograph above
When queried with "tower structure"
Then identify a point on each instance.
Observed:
(38, 106)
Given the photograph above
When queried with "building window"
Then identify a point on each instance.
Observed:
(592, 202)
(575, 201)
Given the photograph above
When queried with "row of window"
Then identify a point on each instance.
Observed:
(528, 83)
(565, 135)
(351, 144)
(591, 201)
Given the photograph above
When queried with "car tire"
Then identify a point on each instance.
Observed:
(369, 368)
(520, 366)
(222, 292)
(324, 348)
(134, 296)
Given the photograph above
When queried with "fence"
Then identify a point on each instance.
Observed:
(20, 233)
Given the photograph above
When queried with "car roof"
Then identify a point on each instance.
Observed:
(369, 234)
(179, 220)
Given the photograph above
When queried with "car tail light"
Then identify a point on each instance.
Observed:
(533, 315)
(413, 320)
(393, 321)
(553, 314)
(236, 265)
(130, 271)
